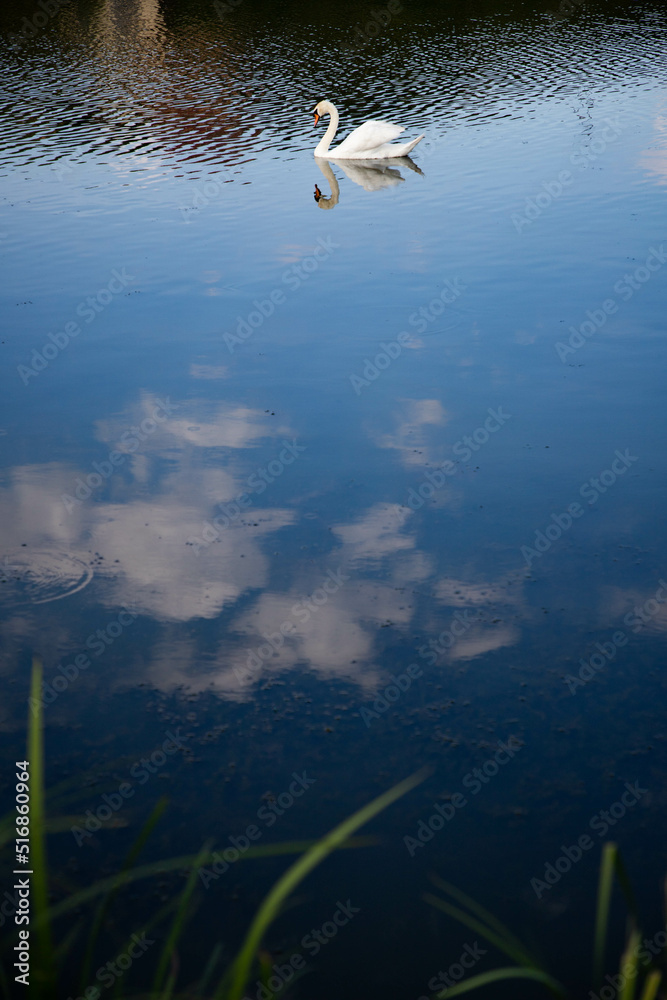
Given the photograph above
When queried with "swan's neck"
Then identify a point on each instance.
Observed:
(323, 146)
(333, 183)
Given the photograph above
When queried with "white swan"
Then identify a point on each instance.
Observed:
(371, 141)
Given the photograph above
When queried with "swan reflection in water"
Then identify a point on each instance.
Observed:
(371, 175)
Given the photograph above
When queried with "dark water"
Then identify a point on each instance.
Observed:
(400, 399)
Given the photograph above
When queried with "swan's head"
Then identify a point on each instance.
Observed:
(322, 108)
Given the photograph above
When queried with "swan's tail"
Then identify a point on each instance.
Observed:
(409, 146)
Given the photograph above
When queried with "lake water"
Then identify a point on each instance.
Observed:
(262, 454)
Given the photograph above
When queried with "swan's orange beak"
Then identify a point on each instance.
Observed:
(318, 193)
(317, 117)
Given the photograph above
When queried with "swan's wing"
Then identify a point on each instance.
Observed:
(369, 136)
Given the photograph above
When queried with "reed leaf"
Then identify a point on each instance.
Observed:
(106, 901)
(628, 966)
(496, 975)
(625, 886)
(605, 884)
(488, 918)
(178, 923)
(295, 874)
(207, 974)
(183, 862)
(651, 985)
(497, 940)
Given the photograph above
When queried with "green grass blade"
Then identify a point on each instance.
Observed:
(146, 928)
(651, 985)
(496, 975)
(488, 918)
(605, 884)
(207, 974)
(63, 948)
(186, 861)
(44, 970)
(145, 832)
(628, 966)
(106, 901)
(168, 991)
(178, 922)
(298, 871)
(497, 940)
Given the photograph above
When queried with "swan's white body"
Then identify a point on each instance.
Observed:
(371, 141)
